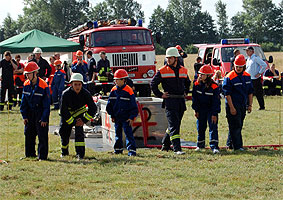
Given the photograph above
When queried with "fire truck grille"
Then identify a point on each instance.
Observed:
(126, 59)
(128, 69)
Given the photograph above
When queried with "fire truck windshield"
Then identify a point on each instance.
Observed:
(227, 52)
(120, 38)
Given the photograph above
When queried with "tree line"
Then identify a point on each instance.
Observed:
(182, 22)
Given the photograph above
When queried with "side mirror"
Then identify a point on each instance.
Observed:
(270, 60)
(82, 40)
(158, 37)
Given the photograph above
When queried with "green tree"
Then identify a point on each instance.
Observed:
(156, 21)
(222, 19)
(238, 27)
(124, 9)
(9, 27)
(99, 12)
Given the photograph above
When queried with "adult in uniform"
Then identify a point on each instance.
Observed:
(74, 112)
(175, 83)
(35, 110)
(44, 68)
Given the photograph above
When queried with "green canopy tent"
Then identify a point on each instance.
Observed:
(25, 42)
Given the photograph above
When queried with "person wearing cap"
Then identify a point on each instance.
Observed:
(35, 110)
(80, 66)
(44, 68)
(255, 67)
(238, 90)
(122, 108)
(176, 84)
(8, 65)
(77, 108)
(206, 103)
(19, 79)
(58, 84)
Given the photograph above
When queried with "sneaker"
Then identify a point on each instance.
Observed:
(199, 149)
(79, 157)
(179, 152)
(215, 151)
(241, 149)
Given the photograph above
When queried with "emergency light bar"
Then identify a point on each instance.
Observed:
(236, 41)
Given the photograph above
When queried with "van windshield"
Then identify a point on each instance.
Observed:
(120, 38)
(227, 52)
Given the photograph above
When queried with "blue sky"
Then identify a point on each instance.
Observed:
(14, 7)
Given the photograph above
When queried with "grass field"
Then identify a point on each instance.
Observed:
(191, 59)
(252, 174)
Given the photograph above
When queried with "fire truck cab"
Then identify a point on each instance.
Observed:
(219, 56)
(127, 47)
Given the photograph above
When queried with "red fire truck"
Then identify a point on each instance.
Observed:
(219, 56)
(127, 46)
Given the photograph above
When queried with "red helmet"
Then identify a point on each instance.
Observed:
(121, 73)
(57, 62)
(79, 53)
(240, 60)
(178, 47)
(31, 67)
(206, 69)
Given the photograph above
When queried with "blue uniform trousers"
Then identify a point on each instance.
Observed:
(130, 140)
(172, 135)
(56, 96)
(65, 132)
(235, 123)
(32, 129)
(204, 118)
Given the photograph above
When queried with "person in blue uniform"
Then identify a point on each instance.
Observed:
(206, 103)
(77, 108)
(58, 84)
(80, 66)
(122, 108)
(35, 110)
(238, 91)
(176, 84)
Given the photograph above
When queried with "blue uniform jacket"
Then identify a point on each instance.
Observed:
(206, 99)
(37, 99)
(122, 104)
(238, 86)
(58, 81)
(79, 68)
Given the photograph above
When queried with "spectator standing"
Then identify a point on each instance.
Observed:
(8, 65)
(19, 79)
(104, 71)
(58, 84)
(255, 67)
(197, 67)
(80, 65)
(44, 68)
(271, 82)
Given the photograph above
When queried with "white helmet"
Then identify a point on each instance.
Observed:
(37, 50)
(77, 77)
(172, 52)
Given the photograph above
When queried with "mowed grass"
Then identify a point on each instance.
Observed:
(253, 174)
